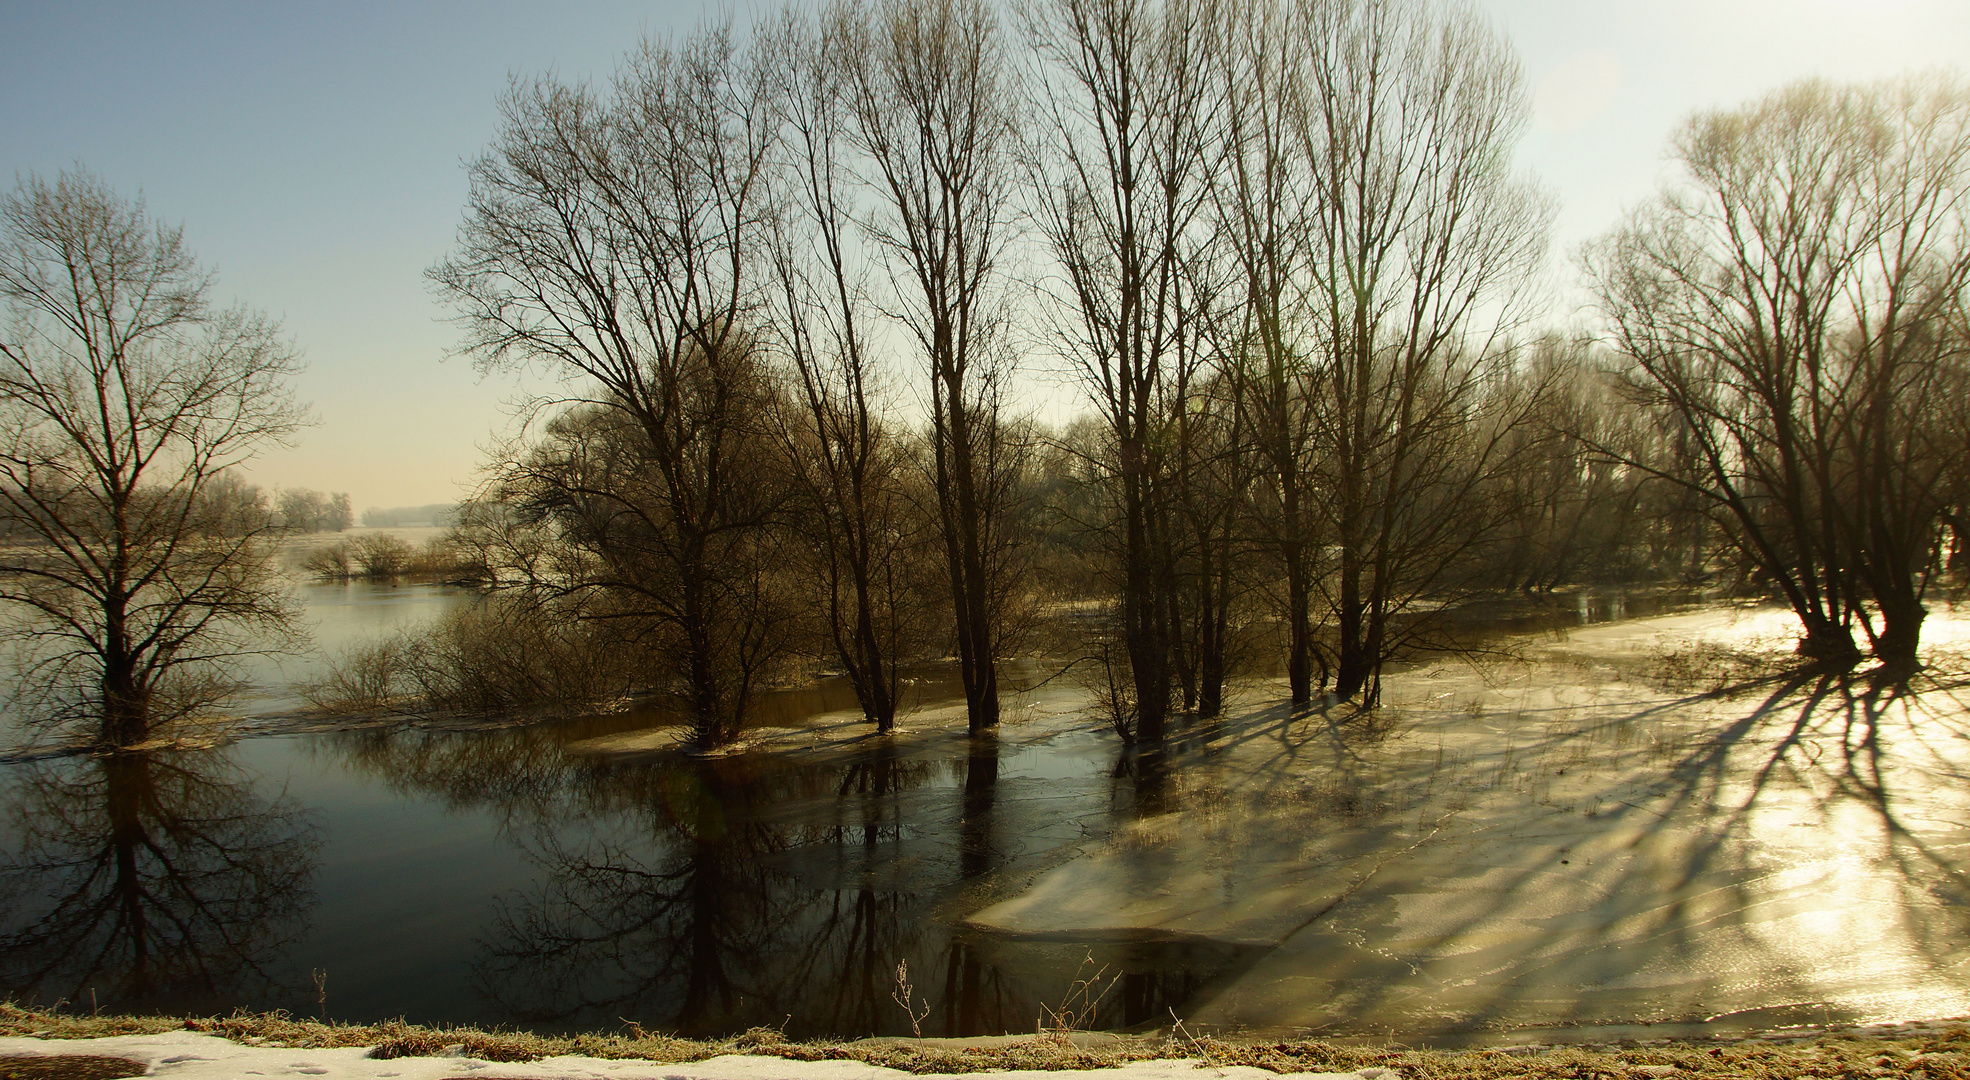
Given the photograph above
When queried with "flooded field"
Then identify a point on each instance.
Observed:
(1636, 821)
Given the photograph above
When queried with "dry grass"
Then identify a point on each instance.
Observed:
(1927, 1053)
(69, 1067)
(1709, 667)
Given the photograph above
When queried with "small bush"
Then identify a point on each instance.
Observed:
(380, 555)
(329, 563)
(383, 557)
(367, 677)
(501, 654)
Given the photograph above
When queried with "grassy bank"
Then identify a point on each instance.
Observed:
(1919, 1052)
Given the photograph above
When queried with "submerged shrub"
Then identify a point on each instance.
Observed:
(366, 677)
(502, 654)
(330, 563)
(380, 555)
(383, 557)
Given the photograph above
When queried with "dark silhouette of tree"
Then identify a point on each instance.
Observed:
(1416, 241)
(1121, 195)
(1261, 202)
(852, 462)
(935, 114)
(125, 396)
(617, 239)
(1795, 303)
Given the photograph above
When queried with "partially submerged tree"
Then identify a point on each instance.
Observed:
(1417, 245)
(1121, 186)
(850, 459)
(126, 394)
(1261, 204)
(936, 115)
(616, 240)
(1796, 303)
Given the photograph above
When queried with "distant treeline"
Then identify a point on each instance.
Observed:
(302, 510)
(227, 505)
(398, 517)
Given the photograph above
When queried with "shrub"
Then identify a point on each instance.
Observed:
(380, 555)
(501, 654)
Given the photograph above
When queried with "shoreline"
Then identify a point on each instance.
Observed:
(275, 1044)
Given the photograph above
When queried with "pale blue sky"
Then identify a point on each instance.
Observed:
(313, 154)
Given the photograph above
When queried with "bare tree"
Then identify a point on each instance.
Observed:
(1418, 242)
(1121, 187)
(1261, 202)
(935, 113)
(678, 547)
(125, 396)
(1795, 302)
(849, 459)
(617, 241)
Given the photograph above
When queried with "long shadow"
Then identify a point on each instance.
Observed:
(1694, 866)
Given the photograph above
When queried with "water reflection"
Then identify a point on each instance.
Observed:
(699, 913)
(140, 879)
(709, 896)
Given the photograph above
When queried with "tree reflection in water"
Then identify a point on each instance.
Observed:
(777, 889)
(148, 880)
(748, 892)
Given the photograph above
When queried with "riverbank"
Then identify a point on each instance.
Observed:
(48, 1044)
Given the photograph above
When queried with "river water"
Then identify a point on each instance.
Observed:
(1636, 821)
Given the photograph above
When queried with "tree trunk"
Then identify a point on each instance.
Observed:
(1212, 627)
(1299, 625)
(1901, 632)
(126, 697)
(1357, 662)
(1142, 617)
(965, 522)
(1828, 643)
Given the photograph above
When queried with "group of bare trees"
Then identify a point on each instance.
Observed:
(303, 510)
(786, 278)
(1291, 250)
(783, 280)
(1280, 248)
(693, 251)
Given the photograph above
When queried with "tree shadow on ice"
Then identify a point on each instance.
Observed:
(1695, 857)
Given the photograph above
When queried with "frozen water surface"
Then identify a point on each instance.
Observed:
(1562, 841)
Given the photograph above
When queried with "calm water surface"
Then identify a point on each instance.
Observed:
(503, 877)
(516, 876)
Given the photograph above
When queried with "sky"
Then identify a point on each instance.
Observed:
(314, 155)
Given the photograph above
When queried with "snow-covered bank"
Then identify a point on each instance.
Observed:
(1918, 1051)
(192, 1056)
